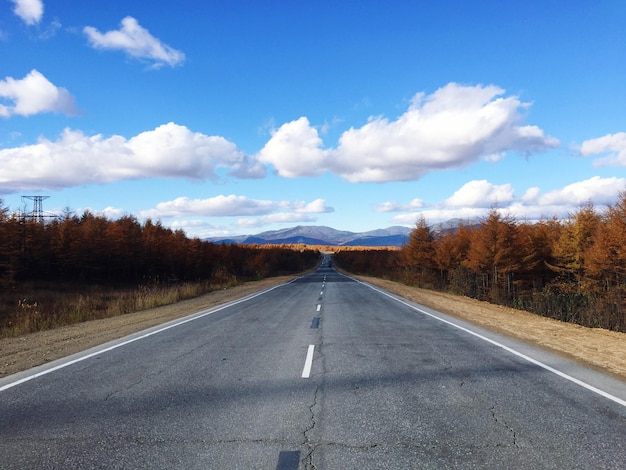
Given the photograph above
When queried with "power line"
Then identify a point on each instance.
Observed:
(37, 214)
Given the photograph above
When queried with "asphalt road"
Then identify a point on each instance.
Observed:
(324, 372)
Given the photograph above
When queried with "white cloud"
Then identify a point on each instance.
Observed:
(288, 212)
(454, 127)
(600, 191)
(531, 194)
(200, 228)
(481, 193)
(108, 212)
(533, 205)
(433, 216)
(315, 207)
(34, 94)
(612, 144)
(194, 216)
(30, 11)
(233, 205)
(295, 150)
(278, 218)
(172, 150)
(169, 151)
(451, 128)
(393, 206)
(218, 206)
(135, 41)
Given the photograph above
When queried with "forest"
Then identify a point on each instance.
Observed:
(76, 268)
(571, 270)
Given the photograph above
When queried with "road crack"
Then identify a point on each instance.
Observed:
(314, 408)
(308, 442)
(502, 422)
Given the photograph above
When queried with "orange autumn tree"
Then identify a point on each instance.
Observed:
(537, 242)
(419, 255)
(572, 250)
(605, 268)
(572, 270)
(605, 259)
(494, 256)
(451, 249)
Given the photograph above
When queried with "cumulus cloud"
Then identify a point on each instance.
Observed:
(317, 206)
(437, 215)
(135, 41)
(481, 193)
(188, 213)
(467, 203)
(109, 212)
(394, 206)
(600, 191)
(30, 11)
(198, 225)
(295, 150)
(169, 151)
(218, 206)
(201, 228)
(611, 145)
(451, 128)
(34, 94)
(233, 205)
(278, 218)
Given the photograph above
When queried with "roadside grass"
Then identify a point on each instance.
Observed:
(37, 307)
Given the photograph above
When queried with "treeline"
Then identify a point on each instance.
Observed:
(573, 270)
(93, 249)
(79, 268)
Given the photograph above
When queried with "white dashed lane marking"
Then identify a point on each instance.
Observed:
(306, 372)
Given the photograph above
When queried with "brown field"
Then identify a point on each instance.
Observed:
(601, 349)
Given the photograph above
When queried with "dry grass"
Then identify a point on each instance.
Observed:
(46, 307)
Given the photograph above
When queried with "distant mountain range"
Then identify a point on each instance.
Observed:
(327, 236)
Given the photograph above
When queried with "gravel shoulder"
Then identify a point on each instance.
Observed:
(601, 349)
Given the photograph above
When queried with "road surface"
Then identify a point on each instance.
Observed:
(324, 372)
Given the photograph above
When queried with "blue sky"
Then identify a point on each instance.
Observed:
(236, 117)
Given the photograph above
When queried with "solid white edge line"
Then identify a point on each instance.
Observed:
(192, 317)
(506, 348)
(306, 372)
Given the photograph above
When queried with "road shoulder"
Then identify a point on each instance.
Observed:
(595, 347)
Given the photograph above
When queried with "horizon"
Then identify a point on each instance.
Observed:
(295, 227)
(225, 120)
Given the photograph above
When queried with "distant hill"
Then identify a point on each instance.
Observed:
(321, 235)
(299, 240)
(452, 225)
